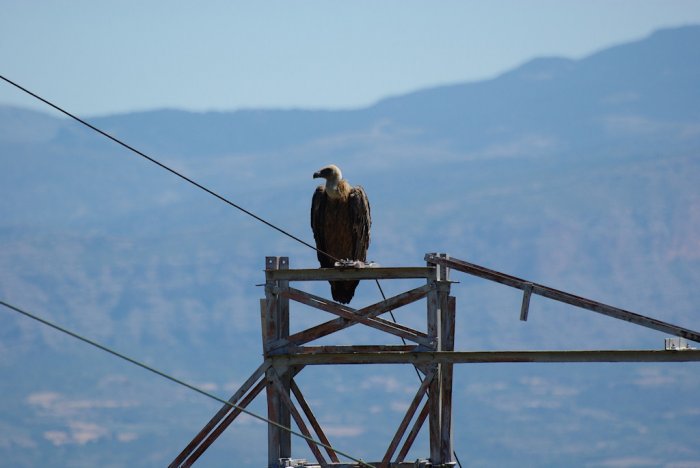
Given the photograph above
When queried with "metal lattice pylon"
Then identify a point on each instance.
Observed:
(431, 352)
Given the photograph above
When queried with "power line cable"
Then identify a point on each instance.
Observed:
(198, 185)
(167, 168)
(176, 380)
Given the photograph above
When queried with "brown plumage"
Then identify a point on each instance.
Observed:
(340, 220)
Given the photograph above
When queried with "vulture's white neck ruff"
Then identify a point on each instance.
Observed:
(332, 183)
(332, 188)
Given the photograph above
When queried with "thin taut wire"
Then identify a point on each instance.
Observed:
(391, 313)
(167, 168)
(174, 379)
(198, 185)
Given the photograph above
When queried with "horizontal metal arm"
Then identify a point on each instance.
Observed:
(467, 357)
(339, 274)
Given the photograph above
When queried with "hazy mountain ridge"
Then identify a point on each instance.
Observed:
(581, 174)
(545, 94)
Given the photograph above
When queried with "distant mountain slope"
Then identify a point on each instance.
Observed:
(579, 174)
(601, 98)
(653, 80)
(487, 146)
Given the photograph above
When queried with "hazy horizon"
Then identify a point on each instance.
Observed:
(100, 59)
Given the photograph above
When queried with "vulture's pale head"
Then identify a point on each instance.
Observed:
(330, 173)
(333, 176)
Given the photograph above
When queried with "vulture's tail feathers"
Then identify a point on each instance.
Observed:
(343, 291)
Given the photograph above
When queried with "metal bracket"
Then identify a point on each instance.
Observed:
(291, 462)
(676, 344)
(347, 263)
(525, 307)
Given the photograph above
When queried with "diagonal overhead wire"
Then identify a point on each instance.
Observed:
(164, 166)
(214, 194)
(174, 379)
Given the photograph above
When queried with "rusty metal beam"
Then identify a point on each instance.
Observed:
(330, 274)
(410, 412)
(417, 425)
(562, 296)
(314, 422)
(352, 315)
(351, 349)
(341, 323)
(466, 357)
(347, 311)
(213, 435)
(287, 401)
(221, 414)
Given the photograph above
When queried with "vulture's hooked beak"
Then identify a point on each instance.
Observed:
(317, 175)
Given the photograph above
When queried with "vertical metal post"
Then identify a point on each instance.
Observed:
(433, 303)
(441, 331)
(448, 340)
(525, 307)
(286, 375)
(275, 327)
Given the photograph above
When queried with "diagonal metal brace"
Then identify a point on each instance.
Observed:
(565, 297)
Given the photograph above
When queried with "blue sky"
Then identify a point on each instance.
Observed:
(105, 57)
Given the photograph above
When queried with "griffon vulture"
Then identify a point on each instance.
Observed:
(340, 220)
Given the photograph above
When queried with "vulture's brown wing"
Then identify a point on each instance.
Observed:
(361, 221)
(318, 209)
